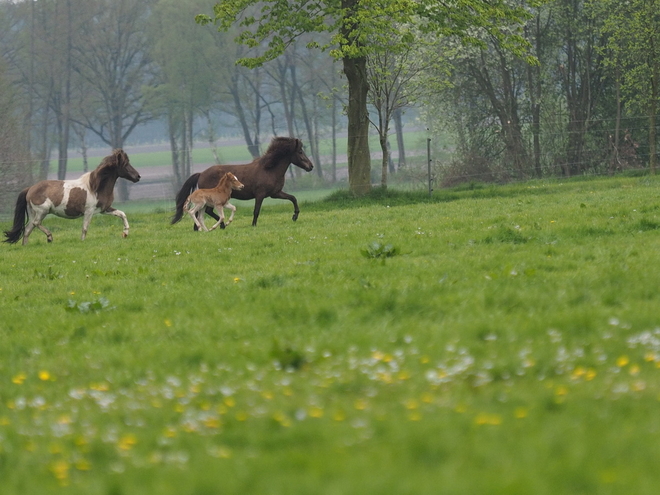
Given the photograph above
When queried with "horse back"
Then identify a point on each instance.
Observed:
(67, 199)
(256, 180)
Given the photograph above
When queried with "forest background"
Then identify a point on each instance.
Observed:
(579, 98)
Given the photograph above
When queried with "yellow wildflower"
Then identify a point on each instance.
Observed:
(19, 379)
(622, 361)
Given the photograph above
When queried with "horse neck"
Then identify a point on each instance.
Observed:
(103, 181)
(280, 166)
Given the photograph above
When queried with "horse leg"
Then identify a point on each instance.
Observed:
(202, 221)
(257, 208)
(221, 219)
(290, 197)
(113, 212)
(36, 217)
(49, 235)
(209, 211)
(194, 212)
(233, 210)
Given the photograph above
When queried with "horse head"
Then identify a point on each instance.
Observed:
(300, 159)
(234, 182)
(124, 168)
(286, 148)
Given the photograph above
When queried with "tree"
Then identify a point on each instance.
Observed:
(358, 30)
(632, 52)
(15, 161)
(190, 76)
(393, 79)
(113, 59)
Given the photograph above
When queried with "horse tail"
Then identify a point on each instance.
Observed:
(20, 219)
(181, 197)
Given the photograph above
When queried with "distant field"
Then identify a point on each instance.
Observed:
(237, 153)
(493, 340)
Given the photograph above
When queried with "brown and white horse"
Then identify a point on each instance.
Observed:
(91, 193)
(218, 198)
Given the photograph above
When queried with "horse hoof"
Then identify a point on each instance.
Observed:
(124, 235)
(49, 239)
(222, 225)
(294, 217)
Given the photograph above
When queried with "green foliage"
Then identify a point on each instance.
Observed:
(376, 250)
(478, 367)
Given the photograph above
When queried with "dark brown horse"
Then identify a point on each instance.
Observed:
(262, 178)
(91, 193)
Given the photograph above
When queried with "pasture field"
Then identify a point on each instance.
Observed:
(238, 153)
(501, 340)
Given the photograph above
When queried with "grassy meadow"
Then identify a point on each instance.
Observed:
(495, 340)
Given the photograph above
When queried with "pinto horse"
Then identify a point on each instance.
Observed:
(90, 193)
(218, 197)
(264, 177)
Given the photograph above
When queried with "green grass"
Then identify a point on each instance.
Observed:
(508, 344)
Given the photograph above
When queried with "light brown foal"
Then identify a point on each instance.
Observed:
(218, 198)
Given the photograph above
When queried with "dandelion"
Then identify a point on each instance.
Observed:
(622, 361)
(403, 375)
(60, 470)
(488, 419)
(220, 451)
(377, 355)
(590, 375)
(361, 404)
(339, 416)
(229, 401)
(315, 412)
(83, 465)
(427, 397)
(236, 280)
(212, 423)
(127, 442)
(411, 404)
(424, 359)
(561, 391)
(44, 375)
(414, 416)
(578, 373)
(520, 412)
(282, 419)
(19, 379)
(241, 416)
(4, 421)
(634, 369)
(650, 356)
(170, 432)
(266, 394)
(168, 322)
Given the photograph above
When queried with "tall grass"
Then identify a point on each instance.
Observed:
(493, 340)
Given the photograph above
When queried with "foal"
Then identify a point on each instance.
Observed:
(218, 198)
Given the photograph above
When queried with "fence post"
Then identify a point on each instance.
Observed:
(428, 156)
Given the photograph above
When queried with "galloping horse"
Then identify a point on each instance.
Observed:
(90, 193)
(263, 178)
(218, 197)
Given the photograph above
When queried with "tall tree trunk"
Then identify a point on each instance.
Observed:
(398, 129)
(655, 82)
(252, 146)
(359, 157)
(386, 159)
(179, 177)
(534, 81)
